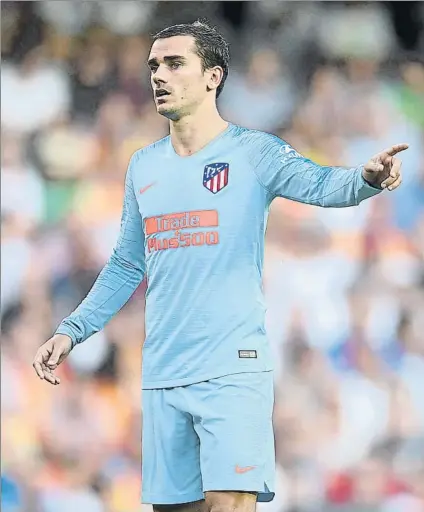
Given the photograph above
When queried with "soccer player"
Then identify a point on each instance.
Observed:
(193, 222)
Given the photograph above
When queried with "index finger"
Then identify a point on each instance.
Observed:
(397, 148)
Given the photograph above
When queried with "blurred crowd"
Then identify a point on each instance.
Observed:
(345, 288)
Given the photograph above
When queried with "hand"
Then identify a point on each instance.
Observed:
(383, 170)
(50, 355)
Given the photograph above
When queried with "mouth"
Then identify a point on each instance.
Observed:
(161, 94)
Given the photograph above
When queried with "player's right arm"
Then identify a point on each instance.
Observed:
(114, 286)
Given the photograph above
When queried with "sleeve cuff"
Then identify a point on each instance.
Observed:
(365, 189)
(62, 329)
(369, 184)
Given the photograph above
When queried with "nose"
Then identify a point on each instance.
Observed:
(157, 81)
(159, 76)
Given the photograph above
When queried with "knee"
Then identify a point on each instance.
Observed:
(230, 502)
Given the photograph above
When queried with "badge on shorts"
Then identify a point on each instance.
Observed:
(247, 354)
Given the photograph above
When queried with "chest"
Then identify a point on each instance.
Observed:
(185, 186)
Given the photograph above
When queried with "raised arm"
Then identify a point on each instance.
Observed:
(283, 172)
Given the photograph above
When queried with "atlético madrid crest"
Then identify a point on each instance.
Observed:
(215, 176)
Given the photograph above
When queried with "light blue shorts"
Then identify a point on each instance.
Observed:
(211, 436)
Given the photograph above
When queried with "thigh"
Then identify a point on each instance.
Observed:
(236, 434)
(229, 501)
(170, 450)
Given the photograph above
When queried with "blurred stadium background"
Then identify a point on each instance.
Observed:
(345, 288)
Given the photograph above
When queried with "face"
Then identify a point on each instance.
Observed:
(178, 82)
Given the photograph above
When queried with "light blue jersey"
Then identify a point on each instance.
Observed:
(195, 225)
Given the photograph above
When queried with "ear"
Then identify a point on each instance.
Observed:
(215, 75)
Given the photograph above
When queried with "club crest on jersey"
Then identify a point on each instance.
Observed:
(215, 176)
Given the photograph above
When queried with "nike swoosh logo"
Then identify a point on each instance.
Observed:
(143, 189)
(240, 470)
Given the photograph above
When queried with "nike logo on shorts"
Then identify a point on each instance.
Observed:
(240, 470)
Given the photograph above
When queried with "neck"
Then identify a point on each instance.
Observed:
(192, 132)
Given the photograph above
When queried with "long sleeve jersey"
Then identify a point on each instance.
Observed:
(196, 226)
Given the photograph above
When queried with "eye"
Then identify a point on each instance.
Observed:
(175, 65)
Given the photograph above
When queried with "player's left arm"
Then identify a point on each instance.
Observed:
(285, 173)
